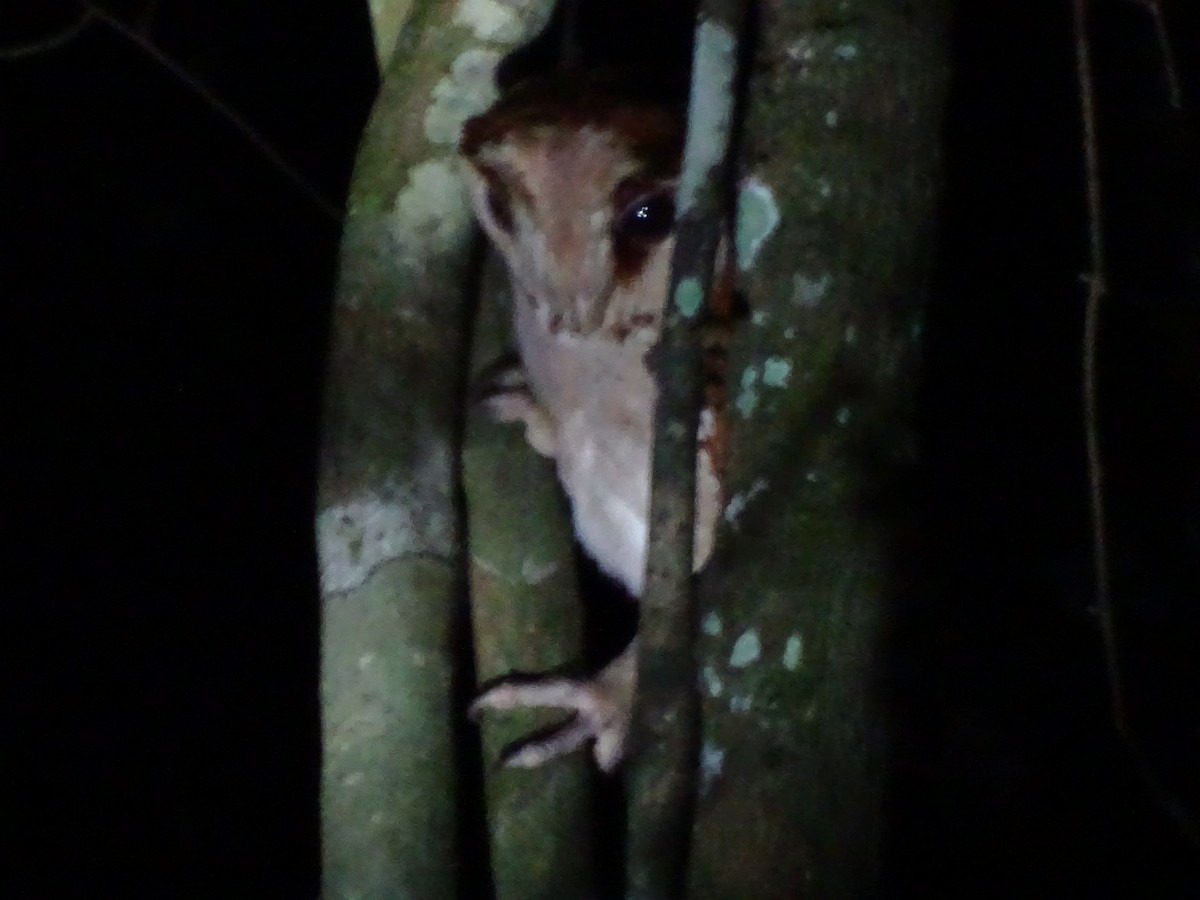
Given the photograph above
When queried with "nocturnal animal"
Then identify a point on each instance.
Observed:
(573, 181)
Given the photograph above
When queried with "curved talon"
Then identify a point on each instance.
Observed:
(602, 708)
(506, 395)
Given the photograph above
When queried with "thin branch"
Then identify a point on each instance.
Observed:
(1096, 285)
(1170, 69)
(228, 113)
(46, 45)
(665, 740)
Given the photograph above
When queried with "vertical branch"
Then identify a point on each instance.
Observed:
(666, 717)
(1170, 70)
(1095, 280)
(1096, 288)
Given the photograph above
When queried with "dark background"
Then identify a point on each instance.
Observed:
(166, 298)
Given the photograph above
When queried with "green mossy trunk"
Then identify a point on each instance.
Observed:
(842, 139)
(390, 530)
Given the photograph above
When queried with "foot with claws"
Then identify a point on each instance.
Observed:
(602, 708)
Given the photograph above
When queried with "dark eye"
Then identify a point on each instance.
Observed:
(647, 219)
(500, 207)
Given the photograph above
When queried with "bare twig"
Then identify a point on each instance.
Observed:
(666, 714)
(48, 44)
(223, 109)
(1095, 280)
(1170, 69)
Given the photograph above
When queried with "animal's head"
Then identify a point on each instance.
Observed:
(574, 183)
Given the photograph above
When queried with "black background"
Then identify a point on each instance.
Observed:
(167, 294)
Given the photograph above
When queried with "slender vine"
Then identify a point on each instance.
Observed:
(1095, 279)
(90, 13)
(55, 41)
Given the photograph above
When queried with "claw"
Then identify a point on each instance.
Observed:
(504, 391)
(602, 709)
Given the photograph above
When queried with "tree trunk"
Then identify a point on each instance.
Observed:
(835, 234)
(389, 530)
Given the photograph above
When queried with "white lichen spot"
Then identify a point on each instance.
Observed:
(810, 476)
(431, 215)
(710, 108)
(377, 817)
(831, 118)
(534, 572)
(842, 415)
(846, 51)
(365, 660)
(801, 51)
(689, 295)
(395, 520)
(747, 398)
(808, 291)
(711, 624)
(850, 335)
(776, 371)
(352, 779)
(793, 653)
(789, 334)
(746, 650)
(757, 219)
(824, 188)
(740, 703)
(470, 88)
(758, 317)
(493, 20)
(739, 502)
(712, 681)
(712, 761)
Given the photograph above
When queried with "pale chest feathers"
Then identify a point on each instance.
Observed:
(600, 400)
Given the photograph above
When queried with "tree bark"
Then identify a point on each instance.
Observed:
(389, 529)
(834, 240)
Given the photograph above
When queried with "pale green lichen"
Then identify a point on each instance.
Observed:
(831, 118)
(431, 215)
(747, 398)
(712, 761)
(711, 625)
(793, 653)
(362, 532)
(776, 371)
(710, 115)
(746, 650)
(491, 20)
(757, 219)
(712, 681)
(739, 502)
(846, 51)
(534, 572)
(689, 295)
(740, 703)
(808, 291)
(843, 415)
(470, 88)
